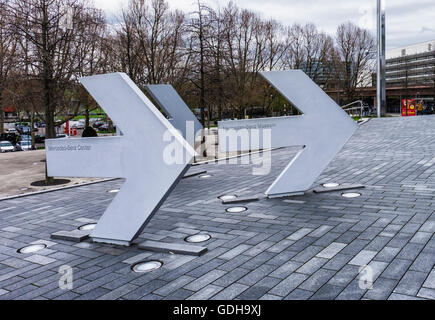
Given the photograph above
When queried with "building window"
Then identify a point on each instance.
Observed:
(430, 47)
(403, 52)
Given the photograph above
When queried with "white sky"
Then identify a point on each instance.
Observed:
(408, 21)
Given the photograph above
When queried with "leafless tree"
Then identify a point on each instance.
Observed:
(355, 48)
(8, 48)
(52, 32)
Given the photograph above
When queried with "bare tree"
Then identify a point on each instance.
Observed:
(355, 48)
(51, 30)
(8, 48)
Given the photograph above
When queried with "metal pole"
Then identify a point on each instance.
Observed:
(381, 101)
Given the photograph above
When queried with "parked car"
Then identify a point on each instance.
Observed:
(40, 138)
(78, 125)
(105, 127)
(12, 131)
(6, 146)
(25, 145)
(98, 124)
(11, 137)
(25, 137)
(62, 136)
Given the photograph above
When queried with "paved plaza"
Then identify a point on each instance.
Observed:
(304, 247)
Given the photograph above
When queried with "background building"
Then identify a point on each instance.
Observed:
(410, 73)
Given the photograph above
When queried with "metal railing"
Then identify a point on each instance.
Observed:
(355, 111)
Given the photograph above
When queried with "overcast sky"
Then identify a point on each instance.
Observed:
(408, 21)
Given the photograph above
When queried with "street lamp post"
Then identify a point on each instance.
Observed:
(381, 102)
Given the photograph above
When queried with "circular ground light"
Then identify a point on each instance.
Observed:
(87, 227)
(32, 248)
(351, 195)
(113, 191)
(198, 238)
(331, 185)
(237, 209)
(228, 197)
(205, 176)
(146, 266)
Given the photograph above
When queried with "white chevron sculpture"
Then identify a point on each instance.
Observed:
(322, 131)
(138, 156)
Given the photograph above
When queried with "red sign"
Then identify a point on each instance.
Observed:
(408, 108)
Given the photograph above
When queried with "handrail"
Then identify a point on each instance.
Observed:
(350, 110)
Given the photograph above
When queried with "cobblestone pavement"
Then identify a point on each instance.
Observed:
(306, 247)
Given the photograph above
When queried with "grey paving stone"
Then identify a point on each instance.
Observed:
(312, 266)
(231, 277)
(363, 258)
(382, 289)
(206, 279)
(206, 292)
(352, 292)
(331, 251)
(270, 297)
(286, 269)
(299, 234)
(259, 289)
(327, 292)
(173, 286)
(36, 258)
(426, 293)
(430, 281)
(230, 292)
(235, 252)
(396, 269)
(411, 282)
(299, 294)
(338, 262)
(317, 280)
(290, 283)
(399, 297)
(345, 276)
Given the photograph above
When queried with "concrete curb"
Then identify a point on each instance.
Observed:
(55, 189)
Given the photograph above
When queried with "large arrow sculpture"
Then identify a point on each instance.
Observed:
(179, 113)
(138, 156)
(323, 130)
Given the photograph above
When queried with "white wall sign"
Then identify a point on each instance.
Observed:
(181, 117)
(138, 156)
(322, 131)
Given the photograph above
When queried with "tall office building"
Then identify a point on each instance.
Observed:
(411, 65)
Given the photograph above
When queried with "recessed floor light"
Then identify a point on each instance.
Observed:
(146, 266)
(32, 248)
(228, 197)
(87, 227)
(237, 209)
(198, 238)
(205, 176)
(113, 191)
(331, 185)
(351, 195)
